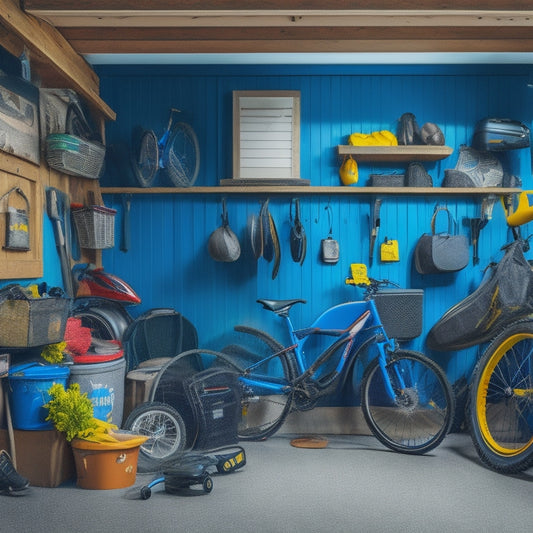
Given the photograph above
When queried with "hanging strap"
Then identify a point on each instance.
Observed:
(20, 192)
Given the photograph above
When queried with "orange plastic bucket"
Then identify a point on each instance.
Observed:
(107, 465)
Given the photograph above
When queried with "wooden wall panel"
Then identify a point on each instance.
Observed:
(168, 263)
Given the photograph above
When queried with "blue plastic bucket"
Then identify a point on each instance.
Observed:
(28, 393)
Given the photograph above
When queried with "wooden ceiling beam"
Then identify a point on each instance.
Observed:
(239, 26)
(304, 46)
(267, 5)
(50, 54)
(297, 40)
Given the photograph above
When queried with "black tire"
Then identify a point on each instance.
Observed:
(181, 156)
(419, 417)
(207, 484)
(145, 157)
(166, 431)
(263, 413)
(500, 413)
(146, 492)
(107, 320)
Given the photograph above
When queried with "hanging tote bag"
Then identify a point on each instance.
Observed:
(439, 253)
(17, 223)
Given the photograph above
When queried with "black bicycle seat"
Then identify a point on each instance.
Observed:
(280, 307)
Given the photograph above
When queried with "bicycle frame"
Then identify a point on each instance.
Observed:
(347, 322)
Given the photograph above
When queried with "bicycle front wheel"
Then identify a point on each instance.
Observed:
(419, 415)
(500, 415)
(181, 156)
(166, 431)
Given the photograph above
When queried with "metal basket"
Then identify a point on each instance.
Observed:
(95, 226)
(33, 322)
(75, 156)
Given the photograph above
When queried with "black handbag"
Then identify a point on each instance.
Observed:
(438, 253)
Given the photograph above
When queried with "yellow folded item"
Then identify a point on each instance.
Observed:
(376, 138)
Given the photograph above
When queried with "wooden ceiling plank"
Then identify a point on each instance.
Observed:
(393, 19)
(269, 33)
(276, 5)
(304, 46)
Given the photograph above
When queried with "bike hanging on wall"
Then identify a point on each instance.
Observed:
(176, 154)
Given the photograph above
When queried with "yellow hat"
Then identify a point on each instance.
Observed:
(349, 172)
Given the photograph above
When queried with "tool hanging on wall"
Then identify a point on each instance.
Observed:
(126, 231)
(17, 223)
(271, 247)
(476, 224)
(374, 229)
(57, 207)
(298, 239)
(329, 246)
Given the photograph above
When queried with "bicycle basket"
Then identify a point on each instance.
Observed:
(95, 226)
(75, 156)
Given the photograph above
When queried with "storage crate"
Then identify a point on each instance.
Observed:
(401, 311)
(33, 322)
(386, 180)
(75, 156)
(95, 226)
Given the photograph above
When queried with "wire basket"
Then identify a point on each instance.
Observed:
(75, 156)
(33, 322)
(95, 226)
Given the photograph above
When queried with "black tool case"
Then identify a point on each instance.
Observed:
(500, 134)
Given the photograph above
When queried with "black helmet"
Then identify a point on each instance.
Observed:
(431, 134)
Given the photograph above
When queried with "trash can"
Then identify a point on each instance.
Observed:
(28, 393)
(104, 385)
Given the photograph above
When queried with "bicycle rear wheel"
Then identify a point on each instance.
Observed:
(419, 416)
(263, 409)
(145, 157)
(181, 156)
(500, 414)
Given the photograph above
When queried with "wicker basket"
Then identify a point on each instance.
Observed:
(75, 156)
(33, 322)
(95, 226)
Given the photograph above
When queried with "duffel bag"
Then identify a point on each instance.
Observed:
(505, 294)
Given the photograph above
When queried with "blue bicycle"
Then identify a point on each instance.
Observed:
(406, 398)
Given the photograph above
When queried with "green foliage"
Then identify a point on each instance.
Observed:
(53, 353)
(70, 411)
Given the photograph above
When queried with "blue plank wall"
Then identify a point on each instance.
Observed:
(168, 262)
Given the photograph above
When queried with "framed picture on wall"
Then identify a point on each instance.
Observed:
(266, 138)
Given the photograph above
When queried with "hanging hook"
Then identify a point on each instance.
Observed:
(329, 210)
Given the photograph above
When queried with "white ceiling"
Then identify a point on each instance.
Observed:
(312, 58)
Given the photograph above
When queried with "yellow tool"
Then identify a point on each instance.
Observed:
(359, 275)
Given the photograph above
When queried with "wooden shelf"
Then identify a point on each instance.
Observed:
(319, 190)
(395, 153)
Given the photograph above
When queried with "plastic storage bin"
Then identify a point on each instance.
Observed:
(28, 393)
(104, 385)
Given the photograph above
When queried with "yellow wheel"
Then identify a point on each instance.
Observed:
(501, 401)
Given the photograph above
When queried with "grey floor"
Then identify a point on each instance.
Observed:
(353, 485)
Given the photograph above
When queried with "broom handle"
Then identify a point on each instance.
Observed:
(12, 448)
